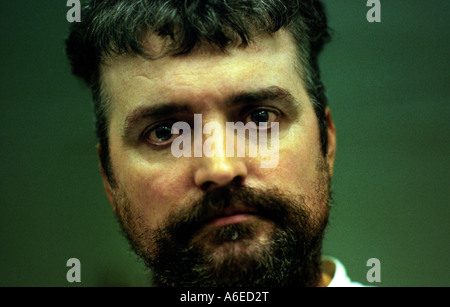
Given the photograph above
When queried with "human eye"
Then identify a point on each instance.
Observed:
(159, 134)
(263, 116)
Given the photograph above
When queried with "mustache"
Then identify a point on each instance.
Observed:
(266, 204)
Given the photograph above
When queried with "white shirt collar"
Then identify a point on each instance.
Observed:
(336, 270)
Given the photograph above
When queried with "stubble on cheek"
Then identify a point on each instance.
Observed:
(133, 224)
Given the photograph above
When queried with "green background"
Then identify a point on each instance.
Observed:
(388, 85)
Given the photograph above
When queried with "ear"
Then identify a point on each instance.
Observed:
(331, 148)
(106, 184)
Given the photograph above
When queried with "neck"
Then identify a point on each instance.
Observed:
(324, 280)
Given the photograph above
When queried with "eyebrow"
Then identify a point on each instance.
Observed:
(272, 93)
(165, 110)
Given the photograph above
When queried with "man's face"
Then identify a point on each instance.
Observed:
(224, 211)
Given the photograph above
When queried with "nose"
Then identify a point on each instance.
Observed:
(216, 172)
(215, 168)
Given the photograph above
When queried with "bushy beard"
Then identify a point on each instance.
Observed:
(185, 252)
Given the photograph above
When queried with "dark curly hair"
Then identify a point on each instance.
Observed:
(115, 27)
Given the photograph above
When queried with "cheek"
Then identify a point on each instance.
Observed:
(153, 189)
(296, 171)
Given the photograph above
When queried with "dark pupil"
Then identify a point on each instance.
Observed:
(163, 133)
(260, 117)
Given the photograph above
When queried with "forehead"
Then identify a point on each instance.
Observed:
(203, 73)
